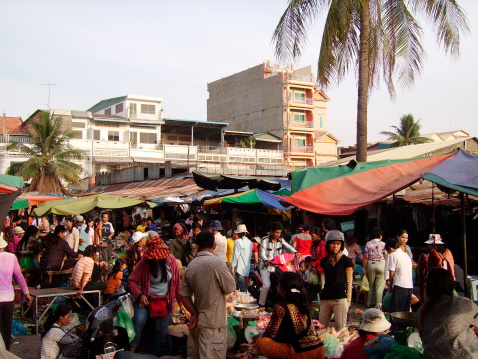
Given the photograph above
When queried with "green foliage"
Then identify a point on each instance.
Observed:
(249, 142)
(408, 133)
(50, 156)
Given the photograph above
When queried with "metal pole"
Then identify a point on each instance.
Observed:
(463, 233)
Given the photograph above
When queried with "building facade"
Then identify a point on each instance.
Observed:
(281, 101)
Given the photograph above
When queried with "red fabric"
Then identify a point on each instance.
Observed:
(138, 281)
(34, 200)
(320, 253)
(303, 245)
(355, 349)
(344, 195)
(255, 248)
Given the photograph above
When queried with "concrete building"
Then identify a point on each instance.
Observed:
(283, 102)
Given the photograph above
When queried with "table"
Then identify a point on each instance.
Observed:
(55, 293)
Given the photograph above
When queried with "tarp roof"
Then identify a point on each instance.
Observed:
(214, 181)
(253, 196)
(12, 181)
(459, 173)
(85, 204)
(341, 190)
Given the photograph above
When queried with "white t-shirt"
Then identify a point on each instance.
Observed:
(221, 245)
(400, 263)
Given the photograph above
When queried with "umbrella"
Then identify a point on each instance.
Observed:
(253, 196)
(85, 204)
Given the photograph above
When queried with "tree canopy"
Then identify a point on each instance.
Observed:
(373, 37)
(407, 134)
(49, 155)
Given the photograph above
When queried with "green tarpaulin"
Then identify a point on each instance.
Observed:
(85, 204)
(12, 181)
(20, 203)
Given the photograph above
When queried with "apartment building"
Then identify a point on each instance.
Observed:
(283, 102)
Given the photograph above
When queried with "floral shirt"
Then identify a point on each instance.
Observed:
(375, 249)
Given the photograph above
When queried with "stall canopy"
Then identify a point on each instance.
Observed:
(214, 181)
(28, 200)
(341, 190)
(253, 196)
(459, 173)
(12, 181)
(85, 204)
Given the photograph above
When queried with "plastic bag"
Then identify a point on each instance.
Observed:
(387, 300)
(123, 320)
(365, 287)
(333, 348)
(403, 352)
(127, 304)
(231, 333)
(314, 279)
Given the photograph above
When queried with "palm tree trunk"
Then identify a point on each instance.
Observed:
(363, 83)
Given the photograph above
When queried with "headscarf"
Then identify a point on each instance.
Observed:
(182, 230)
(156, 249)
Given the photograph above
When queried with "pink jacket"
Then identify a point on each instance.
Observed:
(138, 281)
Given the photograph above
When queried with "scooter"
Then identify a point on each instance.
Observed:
(101, 336)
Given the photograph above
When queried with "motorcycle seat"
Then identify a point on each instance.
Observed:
(130, 355)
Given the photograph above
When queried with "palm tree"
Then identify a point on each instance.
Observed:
(50, 156)
(372, 37)
(408, 133)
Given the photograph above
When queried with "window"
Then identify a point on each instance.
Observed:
(321, 123)
(132, 109)
(299, 96)
(108, 111)
(150, 109)
(119, 107)
(299, 142)
(113, 135)
(133, 137)
(97, 135)
(76, 124)
(148, 137)
(299, 117)
(78, 134)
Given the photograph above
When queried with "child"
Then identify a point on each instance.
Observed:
(114, 279)
(305, 270)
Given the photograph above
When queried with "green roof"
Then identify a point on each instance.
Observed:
(106, 103)
(267, 137)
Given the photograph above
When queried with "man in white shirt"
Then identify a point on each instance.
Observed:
(241, 257)
(400, 281)
(221, 241)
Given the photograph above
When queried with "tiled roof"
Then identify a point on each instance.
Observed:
(13, 125)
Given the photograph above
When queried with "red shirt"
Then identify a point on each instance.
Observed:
(304, 241)
(320, 253)
(355, 349)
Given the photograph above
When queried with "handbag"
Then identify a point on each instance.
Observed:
(158, 306)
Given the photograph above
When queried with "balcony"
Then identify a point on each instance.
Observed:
(301, 149)
(302, 78)
(292, 100)
(305, 124)
(15, 138)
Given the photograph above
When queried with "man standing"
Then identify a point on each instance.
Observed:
(84, 237)
(220, 240)
(107, 234)
(241, 258)
(72, 234)
(271, 246)
(209, 281)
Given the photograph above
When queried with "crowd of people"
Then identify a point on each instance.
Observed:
(198, 263)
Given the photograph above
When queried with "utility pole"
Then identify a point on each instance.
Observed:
(49, 88)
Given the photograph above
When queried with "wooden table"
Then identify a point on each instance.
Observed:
(55, 293)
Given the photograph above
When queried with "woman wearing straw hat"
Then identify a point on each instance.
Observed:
(156, 275)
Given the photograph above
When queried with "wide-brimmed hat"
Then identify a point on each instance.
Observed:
(216, 226)
(43, 232)
(334, 235)
(137, 236)
(18, 230)
(156, 249)
(241, 228)
(3, 242)
(374, 321)
(152, 234)
(434, 239)
(80, 218)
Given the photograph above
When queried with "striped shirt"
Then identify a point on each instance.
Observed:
(84, 265)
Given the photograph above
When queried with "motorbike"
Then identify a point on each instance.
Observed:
(282, 263)
(99, 335)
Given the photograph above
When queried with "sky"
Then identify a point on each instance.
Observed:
(94, 50)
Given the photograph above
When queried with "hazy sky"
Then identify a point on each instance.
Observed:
(93, 50)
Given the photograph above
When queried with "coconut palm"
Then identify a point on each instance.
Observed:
(408, 133)
(49, 156)
(374, 37)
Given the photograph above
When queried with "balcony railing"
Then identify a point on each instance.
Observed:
(14, 138)
(306, 124)
(303, 78)
(306, 101)
(301, 149)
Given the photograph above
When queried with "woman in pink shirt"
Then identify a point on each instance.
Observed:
(8, 270)
(18, 233)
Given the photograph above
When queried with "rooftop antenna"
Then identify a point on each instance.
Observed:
(49, 88)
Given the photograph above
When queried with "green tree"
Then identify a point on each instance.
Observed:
(408, 133)
(49, 156)
(373, 37)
